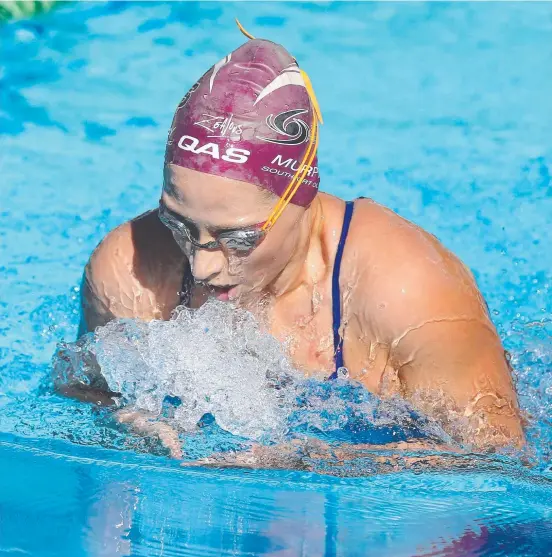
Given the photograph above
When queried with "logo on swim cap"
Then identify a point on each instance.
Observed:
(231, 154)
(287, 124)
(289, 76)
(220, 126)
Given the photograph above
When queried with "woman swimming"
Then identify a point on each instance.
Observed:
(350, 287)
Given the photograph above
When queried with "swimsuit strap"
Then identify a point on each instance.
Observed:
(336, 296)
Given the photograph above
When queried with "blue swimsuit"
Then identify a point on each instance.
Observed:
(187, 284)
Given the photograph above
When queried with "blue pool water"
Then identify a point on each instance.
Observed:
(440, 111)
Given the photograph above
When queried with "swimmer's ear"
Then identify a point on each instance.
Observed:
(241, 28)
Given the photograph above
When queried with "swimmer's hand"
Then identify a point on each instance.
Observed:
(147, 424)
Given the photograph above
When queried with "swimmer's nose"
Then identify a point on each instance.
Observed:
(206, 264)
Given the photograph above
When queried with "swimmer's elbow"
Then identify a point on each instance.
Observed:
(86, 394)
(81, 380)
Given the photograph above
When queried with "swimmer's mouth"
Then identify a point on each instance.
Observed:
(223, 293)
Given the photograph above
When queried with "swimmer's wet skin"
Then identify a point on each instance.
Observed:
(241, 219)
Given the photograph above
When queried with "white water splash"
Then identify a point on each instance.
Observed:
(218, 361)
(215, 360)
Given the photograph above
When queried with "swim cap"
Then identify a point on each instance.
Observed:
(248, 118)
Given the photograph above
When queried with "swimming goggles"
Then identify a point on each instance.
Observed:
(241, 240)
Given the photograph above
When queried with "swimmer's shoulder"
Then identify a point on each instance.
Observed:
(135, 271)
(403, 275)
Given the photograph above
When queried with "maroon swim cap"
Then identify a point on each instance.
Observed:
(248, 118)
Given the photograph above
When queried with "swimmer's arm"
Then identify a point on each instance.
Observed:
(90, 385)
(110, 289)
(455, 370)
(444, 352)
(96, 391)
(81, 378)
(315, 455)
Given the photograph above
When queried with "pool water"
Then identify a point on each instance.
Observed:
(440, 111)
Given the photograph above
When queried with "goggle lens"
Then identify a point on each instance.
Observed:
(242, 241)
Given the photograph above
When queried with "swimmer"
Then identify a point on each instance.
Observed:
(350, 288)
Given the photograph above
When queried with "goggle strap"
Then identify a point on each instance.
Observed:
(241, 28)
(308, 157)
(298, 176)
(297, 180)
(312, 96)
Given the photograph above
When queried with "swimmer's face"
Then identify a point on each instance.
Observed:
(210, 205)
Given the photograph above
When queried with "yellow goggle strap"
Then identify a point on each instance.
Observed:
(297, 179)
(312, 96)
(306, 163)
(309, 155)
(241, 28)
